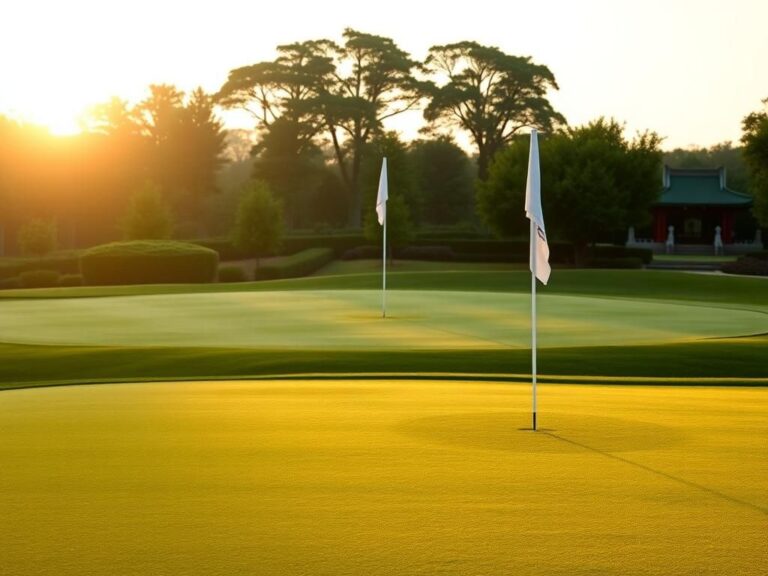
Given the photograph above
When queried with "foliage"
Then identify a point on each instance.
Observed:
(37, 237)
(723, 154)
(259, 224)
(291, 170)
(148, 217)
(755, 141)
(232, 274)
(444, 178)
(399, 226)
(148, 262)
(300, 264)
(342, 91)
(39, 279)
(69, 280)
(488, 94)
(749, 265)
(594, 183)
(401, 179)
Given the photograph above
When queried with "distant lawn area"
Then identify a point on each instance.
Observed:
(616, 325)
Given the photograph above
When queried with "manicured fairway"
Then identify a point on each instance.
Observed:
(351, 319)
(381, 477)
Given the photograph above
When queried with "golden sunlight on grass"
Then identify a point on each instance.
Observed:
(383, 477)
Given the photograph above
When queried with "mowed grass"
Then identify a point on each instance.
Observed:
(337, 320)
(621, 324)
(361, 477)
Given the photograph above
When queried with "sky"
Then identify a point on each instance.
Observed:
(688, 70)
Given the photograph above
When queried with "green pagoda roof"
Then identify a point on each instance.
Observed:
(700, 187)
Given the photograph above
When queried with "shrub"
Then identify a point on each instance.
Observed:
(339, 243)
(71, 280)
(627, 262)
(63, 262)
(10, 283)
(748, 265)
(259, 223)
(148, 215)
(37, 237)
(232, 274)
(148, 262)
(294, 266)
(362, 253)
(601, 252)
(39, 279)
(433, 253)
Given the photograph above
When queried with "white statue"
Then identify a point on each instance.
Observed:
(718, 241)
(670, 239)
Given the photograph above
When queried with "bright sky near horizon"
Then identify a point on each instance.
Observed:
(687, 70)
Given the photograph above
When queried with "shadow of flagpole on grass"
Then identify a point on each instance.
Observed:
(700, 487)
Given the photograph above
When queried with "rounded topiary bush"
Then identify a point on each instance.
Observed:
(148, 262)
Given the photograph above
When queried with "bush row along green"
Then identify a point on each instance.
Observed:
(148, 262)
(64, 263)
(751, 265)
(40, 279)
(301, 264)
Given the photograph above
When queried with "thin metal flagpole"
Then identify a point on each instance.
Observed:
(533, 318)
(384, 272)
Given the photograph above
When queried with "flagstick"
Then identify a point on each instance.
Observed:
(384, 273)
(533, 318)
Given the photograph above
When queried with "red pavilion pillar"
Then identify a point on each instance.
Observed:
(727, 224)
(659, 225)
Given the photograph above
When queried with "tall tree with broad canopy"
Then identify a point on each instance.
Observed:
(594, 183)
(755, 141)
(340, 91)
(489, 94)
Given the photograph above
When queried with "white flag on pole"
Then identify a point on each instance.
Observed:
(381, 197)
(539, 260)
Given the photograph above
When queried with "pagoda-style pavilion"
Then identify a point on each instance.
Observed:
(695, 202)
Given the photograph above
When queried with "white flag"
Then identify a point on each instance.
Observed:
(539, 259)
(381, 198)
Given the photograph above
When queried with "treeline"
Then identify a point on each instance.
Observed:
(167, 166)
(83, 185)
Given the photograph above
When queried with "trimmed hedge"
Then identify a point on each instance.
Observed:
(339, 243)
(366, 252)
(627, 262)
(232, 274)
(621, 252)
(148, 262)
(71, 280)
(748, 265)
(300, 264)
(431, 253)
(63, 263)
(39, 279)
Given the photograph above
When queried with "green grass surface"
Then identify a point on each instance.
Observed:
(351, 320)
(605, 323)
(383, 478)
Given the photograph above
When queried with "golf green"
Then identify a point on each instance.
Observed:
(351, 319)
(382, 477)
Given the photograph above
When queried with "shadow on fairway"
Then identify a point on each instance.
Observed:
(506, 431)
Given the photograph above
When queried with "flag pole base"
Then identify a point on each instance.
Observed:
(534, 421)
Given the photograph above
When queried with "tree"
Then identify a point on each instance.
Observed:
(37, 237)
(342, 91)
(595, 183)
(399, 225)
(373, 81)
(148, 217)
(293, 172)
(723, 154)
(400, 177)
(489, 94)
(755, 141)
(259, 223)
(444, 178)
